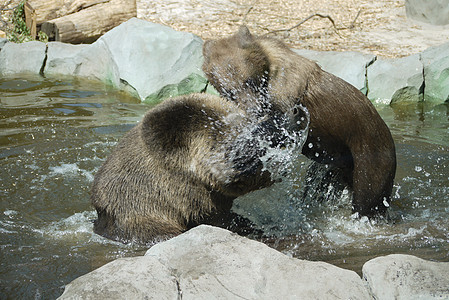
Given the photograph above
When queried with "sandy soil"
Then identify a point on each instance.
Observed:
(371, 26)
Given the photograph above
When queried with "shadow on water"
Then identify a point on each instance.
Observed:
(55, 135)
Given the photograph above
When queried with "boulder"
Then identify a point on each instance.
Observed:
(396, 80)
(87, 61)
(3, 41)
(22, 58)
(406, 277)
(194, 82)
(125, 278)
(61, 59)
(151, 56)
(212, 263)
(435, 12)
(436, 73)
(350, 66)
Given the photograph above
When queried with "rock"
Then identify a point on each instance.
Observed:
(396, 80)
(406, 94)
(87, 61)
(3, 41)
(350, 66)
(61, 58)
(436, 73)
(435, 12)
(194, 82)
(406, 277)
(125, 278)
(151, 56)
(22, 58)
(212, 263)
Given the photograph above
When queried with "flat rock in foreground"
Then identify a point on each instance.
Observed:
(210, 263)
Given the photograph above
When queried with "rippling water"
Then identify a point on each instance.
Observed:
(55, 135)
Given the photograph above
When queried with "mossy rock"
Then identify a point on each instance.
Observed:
(193, 83)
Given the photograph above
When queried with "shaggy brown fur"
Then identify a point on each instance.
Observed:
(176, 169)
(345, 128)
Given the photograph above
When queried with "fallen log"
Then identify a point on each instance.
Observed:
(89, 23)
(51, 9)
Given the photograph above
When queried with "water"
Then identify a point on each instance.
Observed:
(416, 222)
(55, 135)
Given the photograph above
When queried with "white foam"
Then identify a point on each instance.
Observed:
(280, 160)
(5, 231)
(382, 101)
(10, 213)
(410, 234)
(78, 226)
(64, 169)
(70, 170)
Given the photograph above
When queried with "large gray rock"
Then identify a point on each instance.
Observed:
(61, 58)
(3, 41)
(22, 58)
(406, 277)
(151, 56)
(212, 263)
(396, 80)
(86, 61)
(435, 12)
(436, 73)
(350, 66)
(125, 278)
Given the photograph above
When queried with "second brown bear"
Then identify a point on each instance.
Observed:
(345, 129)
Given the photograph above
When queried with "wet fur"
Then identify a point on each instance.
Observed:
(173, 170)
(345, 128)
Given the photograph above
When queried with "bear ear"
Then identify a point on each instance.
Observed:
(207, 49)
(244, 37)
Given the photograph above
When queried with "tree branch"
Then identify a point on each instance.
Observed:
(352, 25)
(353, 22)
(305, 20)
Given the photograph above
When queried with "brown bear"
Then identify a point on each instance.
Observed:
(345, 129)
(182, 165)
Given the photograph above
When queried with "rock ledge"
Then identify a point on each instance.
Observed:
(212, 263)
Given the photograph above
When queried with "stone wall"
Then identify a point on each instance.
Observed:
(153, 61)
(149, 60)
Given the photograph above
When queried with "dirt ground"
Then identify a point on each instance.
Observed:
(371, 26)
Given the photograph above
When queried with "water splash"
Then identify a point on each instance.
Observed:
(280, 157)
(71, 170)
